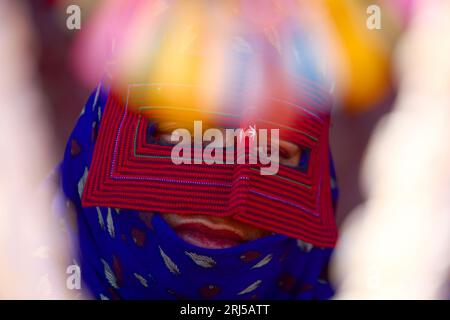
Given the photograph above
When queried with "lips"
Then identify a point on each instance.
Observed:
(201, 235)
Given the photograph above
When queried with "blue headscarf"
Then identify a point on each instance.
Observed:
(126, 254)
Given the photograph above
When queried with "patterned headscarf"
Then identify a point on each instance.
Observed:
(126, 254)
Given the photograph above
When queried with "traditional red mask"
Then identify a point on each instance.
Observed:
(131, 170)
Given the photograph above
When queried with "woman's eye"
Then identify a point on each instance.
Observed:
(289, 154)
(172, 138)
(167, 139)
(284, 153)
(165, 133)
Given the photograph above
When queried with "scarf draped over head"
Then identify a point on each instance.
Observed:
(128, 254)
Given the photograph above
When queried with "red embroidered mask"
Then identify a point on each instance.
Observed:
(131, 168)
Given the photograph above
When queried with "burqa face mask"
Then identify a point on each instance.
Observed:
(130, 170)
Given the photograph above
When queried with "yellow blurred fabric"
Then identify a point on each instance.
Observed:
(366, 53)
